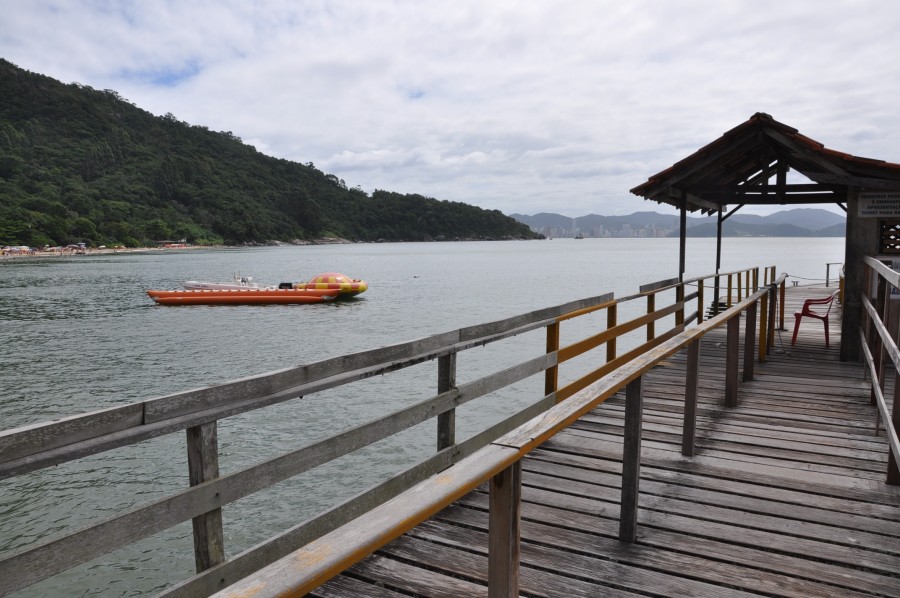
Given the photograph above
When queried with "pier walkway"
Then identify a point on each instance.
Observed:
(784, 496)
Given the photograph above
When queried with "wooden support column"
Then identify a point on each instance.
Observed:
(861, 240)
(679, 297)
(611, 323)
(631, 460)
(731, 361)
(651, 307)
(504, 532)
(446, 422)
(749, 342)
(203, 466)
(718, 282)
(682, 239)
(692, 375)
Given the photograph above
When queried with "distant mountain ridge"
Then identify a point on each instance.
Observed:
(798, 222)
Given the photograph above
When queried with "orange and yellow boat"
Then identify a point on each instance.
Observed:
(324, 287)
(348, 287)
(241, 296)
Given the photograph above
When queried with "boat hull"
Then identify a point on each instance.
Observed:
(240, 296)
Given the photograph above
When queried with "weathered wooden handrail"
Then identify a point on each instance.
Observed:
(41, 445)
(33, 447)
(875, 345)
(307, 568)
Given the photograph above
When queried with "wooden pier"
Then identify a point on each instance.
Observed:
(785, 494)
(695, 456)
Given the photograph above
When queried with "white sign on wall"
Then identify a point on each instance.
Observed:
(879, 204)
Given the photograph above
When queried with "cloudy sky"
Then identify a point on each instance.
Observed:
(522, 106)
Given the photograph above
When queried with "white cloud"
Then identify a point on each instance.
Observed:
(518, 106)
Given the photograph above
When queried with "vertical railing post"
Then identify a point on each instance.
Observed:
(203, 466)
(865, 314)
(692, 375)
(610, 324)
(773, 300)
(749, 342)
(679, 298)
(730, 289)
(551, 376)
(717, 283)
(731, 361)
(781, 305)
(446, 422)
(504, 532)
(631, 460)
(651, 307)
(893, 475)
(755, 279)
(740, 289)
(700, 301)
(878, 349)
(763, 326)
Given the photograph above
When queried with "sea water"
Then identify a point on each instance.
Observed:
(79, 334)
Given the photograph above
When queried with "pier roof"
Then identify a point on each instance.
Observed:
(737, 168)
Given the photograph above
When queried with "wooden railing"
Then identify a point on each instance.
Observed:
(500, 464)
(877, 342)
(499, 447)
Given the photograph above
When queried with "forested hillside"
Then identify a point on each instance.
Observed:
(83, 165)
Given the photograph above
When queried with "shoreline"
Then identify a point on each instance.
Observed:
(111, 251)
(91, 252)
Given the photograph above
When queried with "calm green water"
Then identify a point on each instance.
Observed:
(79, 334)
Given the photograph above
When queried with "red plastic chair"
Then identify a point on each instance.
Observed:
(809, 313)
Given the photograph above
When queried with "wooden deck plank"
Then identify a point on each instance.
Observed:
(584, 534)
(785, 495)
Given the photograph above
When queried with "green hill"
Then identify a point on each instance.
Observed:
(83, 165)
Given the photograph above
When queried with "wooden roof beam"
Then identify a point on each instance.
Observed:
(803, 198)
(735, 190)
(674, 193)
(804, 153)
(850, 180)
(701, 165)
